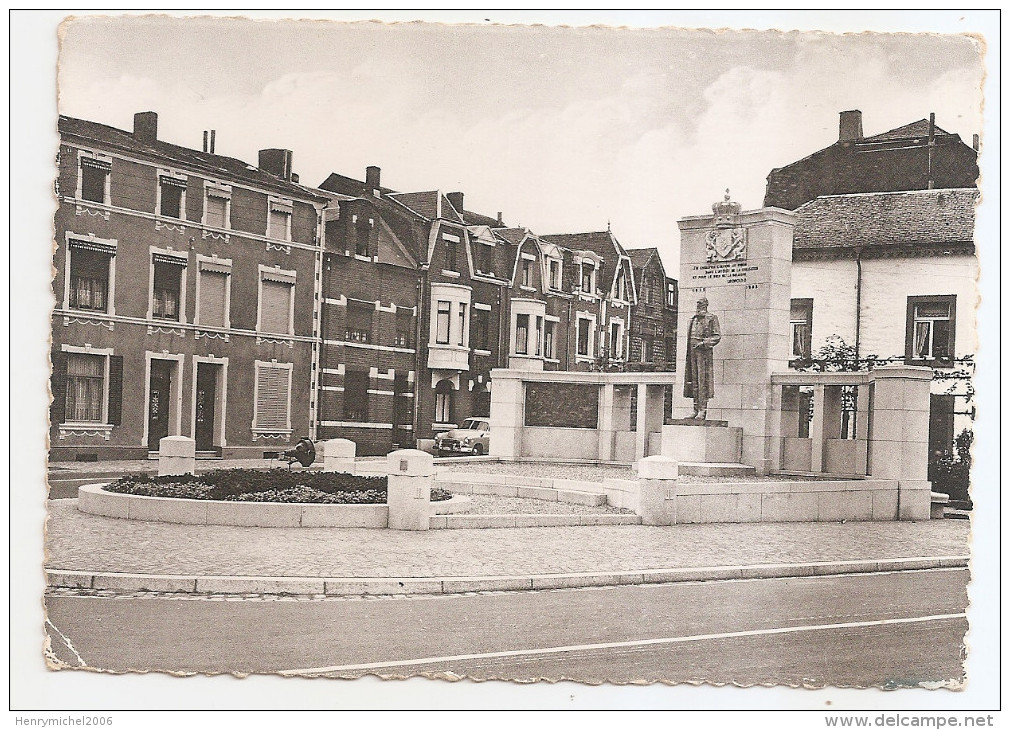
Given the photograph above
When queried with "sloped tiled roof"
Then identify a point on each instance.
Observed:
(512, 235)
(479, 219)
(213, 165)
(906, 131)
(909, 218)
(640, 256)
(601, 243)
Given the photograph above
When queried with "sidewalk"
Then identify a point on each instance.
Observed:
(161, 556)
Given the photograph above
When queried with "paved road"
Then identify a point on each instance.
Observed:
(871, 629)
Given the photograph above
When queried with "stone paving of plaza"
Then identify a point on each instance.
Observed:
(76, 541)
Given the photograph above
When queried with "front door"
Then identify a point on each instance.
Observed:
(206, 397)
(158, 399)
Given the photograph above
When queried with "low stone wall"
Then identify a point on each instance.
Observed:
(571, 491)
(94, 500)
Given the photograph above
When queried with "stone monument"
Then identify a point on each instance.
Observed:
(736, 266)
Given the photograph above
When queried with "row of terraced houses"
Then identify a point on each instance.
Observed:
(203, 296)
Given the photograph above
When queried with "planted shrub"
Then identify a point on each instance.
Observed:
(263, 485)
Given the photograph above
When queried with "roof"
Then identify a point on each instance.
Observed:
(906, 131)
(213, 165)
(512, 235)
(345, 185)
(909, 218)
(640, 256)
(479, 219)
(601, 243)
(429, 204)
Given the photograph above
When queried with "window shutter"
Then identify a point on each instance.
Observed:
(217, 211)
(275, 307)
(272, 398)
(116, 389)
(57, 410)
(213, 291)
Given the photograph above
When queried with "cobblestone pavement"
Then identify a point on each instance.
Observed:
(76, 541)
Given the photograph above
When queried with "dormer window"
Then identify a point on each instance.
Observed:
(482, 253)
(588, 277)
(527, 272)
(621, 289)
(555, 274)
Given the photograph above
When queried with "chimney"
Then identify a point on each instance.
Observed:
(974, 142)
(277, 162)
(205, 140)
(501, 223)
(213, 132)
(456, 199)
(850, 126)
(372, 174)
(145, 127)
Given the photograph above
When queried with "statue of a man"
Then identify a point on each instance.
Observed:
(702, 335)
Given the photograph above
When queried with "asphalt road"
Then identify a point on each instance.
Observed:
(861, 630)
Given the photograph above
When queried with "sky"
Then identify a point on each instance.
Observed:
(561, 129)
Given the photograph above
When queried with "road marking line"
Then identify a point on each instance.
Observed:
(66, 641)
(619, 644)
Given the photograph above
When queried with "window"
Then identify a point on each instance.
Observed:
(646, 293)
(538, 335)
(443, 402)
(358, 326)
(483, 252)
(213, 296)
(621, 288)
(585, 337)
(171, 196)
(90, 275)
(480, 322)
(522, 334)
(217, 208)
(527, 277)
(94, 184)
(462, 325)
(166, 296)
(450, 255)
(85, 388)
(549, 340)
(801, 315)
(276, 300)
(647, 349)
(272, 397)
(356, 395)
(929, 333)
(588, 277)
(671, 294)
(616, 339)
(279, 220)
(555, 274)
(404, 328)
(442, 324)
(362, 231)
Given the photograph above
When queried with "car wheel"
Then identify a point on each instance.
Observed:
(478, 450)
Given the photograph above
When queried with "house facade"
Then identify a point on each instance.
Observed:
(884, 263)
(186, 297)
(653, 332)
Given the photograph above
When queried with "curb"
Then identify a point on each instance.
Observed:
(345, 586)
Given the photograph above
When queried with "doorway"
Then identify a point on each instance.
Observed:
(159, 398)
(205, 408)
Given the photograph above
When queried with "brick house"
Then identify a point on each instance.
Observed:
(600, 280)
(915, 156)
(653, 331)
(185, 291)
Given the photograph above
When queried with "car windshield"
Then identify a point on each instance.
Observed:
(472, 424)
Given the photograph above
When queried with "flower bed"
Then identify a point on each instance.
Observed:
(263, 485)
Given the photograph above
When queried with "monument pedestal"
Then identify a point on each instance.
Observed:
(705, 448)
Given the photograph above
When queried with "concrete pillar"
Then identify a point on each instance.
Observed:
(176, 455)
(657, 484)
(899, 435)
(641, 421)
(408, 493)
(607, 412)
(338, 456)
(507, 401)
(817, 431)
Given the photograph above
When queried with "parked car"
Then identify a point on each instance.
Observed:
(472, 437)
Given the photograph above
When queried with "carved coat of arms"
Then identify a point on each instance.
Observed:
(726, 244)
